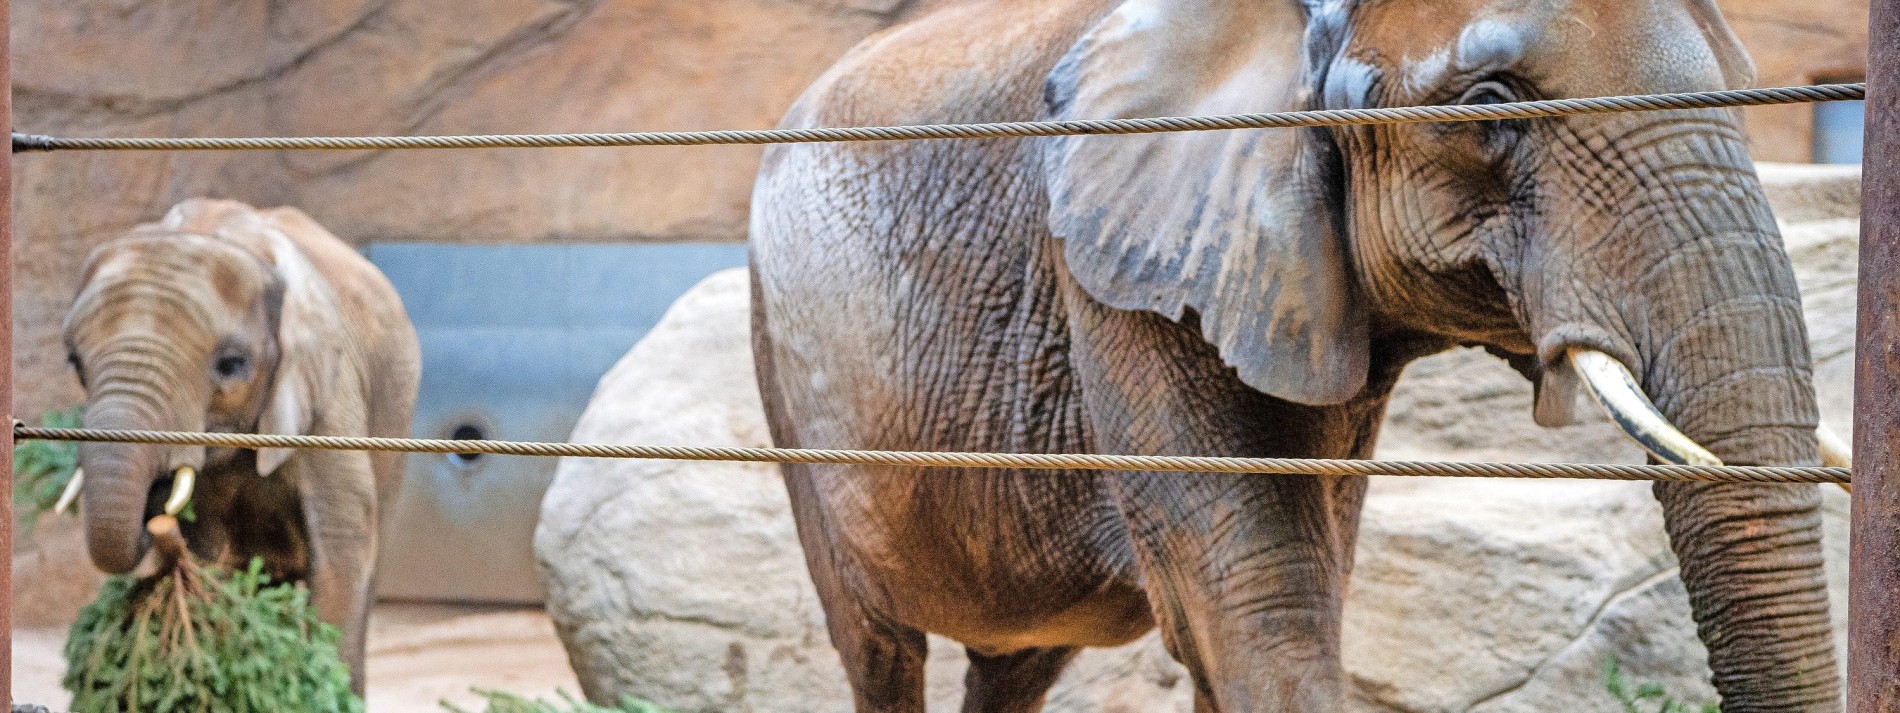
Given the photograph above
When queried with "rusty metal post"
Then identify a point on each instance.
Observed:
(1873, 609)
(6, 370)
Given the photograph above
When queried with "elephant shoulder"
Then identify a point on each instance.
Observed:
(970, 62)
(367, 302)
(329, 253)
(337, 261)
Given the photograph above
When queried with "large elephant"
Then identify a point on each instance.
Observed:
(224, 318)
(1256, 293)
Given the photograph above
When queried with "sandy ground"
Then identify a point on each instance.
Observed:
(419, 654)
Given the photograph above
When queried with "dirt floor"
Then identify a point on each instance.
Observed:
(419, 654)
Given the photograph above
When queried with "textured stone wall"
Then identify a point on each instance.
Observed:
(1796, 43)
(208, 67)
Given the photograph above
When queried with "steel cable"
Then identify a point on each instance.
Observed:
(1038, 461)
(1287, 119)
(1335, 117)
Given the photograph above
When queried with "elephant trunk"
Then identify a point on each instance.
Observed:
(1734, 376)
(1751, 558)
(1676, 269)
(118, 495)
(1717, 340)
(115, 496)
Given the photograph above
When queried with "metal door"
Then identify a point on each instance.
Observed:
(514, 339)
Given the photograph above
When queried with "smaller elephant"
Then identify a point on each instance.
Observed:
(225, 318)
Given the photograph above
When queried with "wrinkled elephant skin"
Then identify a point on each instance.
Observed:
(1256, 293)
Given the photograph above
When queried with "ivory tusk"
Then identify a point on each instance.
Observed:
(1615, 389)
(71, 494)
(1835, 453)
(184, 478)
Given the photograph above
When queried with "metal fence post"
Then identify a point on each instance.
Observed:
(6, 371)
(1873, 611)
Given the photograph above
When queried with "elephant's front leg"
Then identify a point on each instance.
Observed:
(339, 508)
(1246, 573)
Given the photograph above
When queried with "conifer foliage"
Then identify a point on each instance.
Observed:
(197, 638)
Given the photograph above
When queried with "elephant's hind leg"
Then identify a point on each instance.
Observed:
(1012, 683)
(884, 662)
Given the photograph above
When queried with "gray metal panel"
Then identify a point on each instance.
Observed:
(514, 338)
(1839, 129)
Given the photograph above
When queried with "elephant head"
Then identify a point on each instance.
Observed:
(1634, 250)
(207, 320)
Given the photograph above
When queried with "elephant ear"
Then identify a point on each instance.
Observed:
(307, 362)
(1241, 227)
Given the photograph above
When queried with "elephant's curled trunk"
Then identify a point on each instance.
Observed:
(117, 493)
(119, 477)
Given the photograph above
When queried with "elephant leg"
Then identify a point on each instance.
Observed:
(883, 659)
(1246, 573)
(338, 497)
(1014, 682)
(884, 662)
(1247, 576)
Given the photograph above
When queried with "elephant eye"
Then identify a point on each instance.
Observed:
(1490, 92)
(1498, 138)
(233, 365)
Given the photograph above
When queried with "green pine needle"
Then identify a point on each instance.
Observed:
(199, 639)
(1618, 684)
(41, 469)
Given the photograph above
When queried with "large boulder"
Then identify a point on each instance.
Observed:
(683, 582)
(679, 581)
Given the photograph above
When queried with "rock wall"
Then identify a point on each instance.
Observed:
(210, 68)
(325, 67)
(683, 583)
(1796, 43)
(201, 67)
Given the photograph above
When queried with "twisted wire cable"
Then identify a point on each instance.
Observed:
(1037, 461)
(1286, 119)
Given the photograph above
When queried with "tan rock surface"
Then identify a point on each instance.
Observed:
(206, 68)
(1796, 43)
(52, 575)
